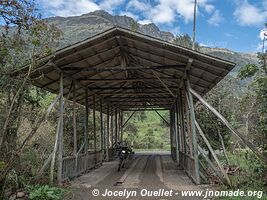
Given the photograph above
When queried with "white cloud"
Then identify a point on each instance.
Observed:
(110, 5)
(209, 8)
(138, 5)
(167, 10)
(216, 18)
(249, 15)
(145, 21)
(69, 7)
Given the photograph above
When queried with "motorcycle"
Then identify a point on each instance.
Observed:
(125, 154)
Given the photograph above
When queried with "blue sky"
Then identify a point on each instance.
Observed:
(232, 24)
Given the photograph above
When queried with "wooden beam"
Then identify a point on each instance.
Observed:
(133, 68)
(162, 118)
(94, 127)
(125, 123)
(145, 109)
(101, 126)
(133, 93)
(86, 131)
(108, 131)
(61, 133)
(177, 132)
(97, 80)
(213, 154)
(74, 121)
(230, 127)
(129, 88)
(70, 77)
(162, 82)
(210, 163)
(116, 126)
(112, 129)
(180, 56)
(118, 98)
(193, 126)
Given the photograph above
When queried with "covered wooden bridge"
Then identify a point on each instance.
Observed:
(120, 70)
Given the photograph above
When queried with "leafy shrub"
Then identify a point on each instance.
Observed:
(45, 192)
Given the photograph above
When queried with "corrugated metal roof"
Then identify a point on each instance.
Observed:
(124, 67)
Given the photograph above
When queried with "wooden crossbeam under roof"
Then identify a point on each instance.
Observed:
(120, 63)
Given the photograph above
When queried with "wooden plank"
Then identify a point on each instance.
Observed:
(230, 127)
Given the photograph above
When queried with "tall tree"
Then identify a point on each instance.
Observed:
(24, 38)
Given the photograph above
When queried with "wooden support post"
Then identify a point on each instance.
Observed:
(230, 127)
(86, 131)
(193, 126)
(224, 149)
(176, 125)
(94, 127)
(108, 131)
(101, 126)
(112, 130)
(74, 121)
(51, 175)
(61, 134)
(104, 138)
(171, 131)
(116, 126)
(182, 126)
(213, 154)
(121, 128)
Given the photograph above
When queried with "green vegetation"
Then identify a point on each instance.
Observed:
(251, 176)
(45, 192)
(185, 41)
(146, 130)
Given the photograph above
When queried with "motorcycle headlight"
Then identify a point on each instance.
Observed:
(123, 151)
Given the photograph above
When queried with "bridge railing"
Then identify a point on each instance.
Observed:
(74, 166)
(188, 163)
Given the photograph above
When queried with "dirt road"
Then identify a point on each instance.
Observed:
(148, 176)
